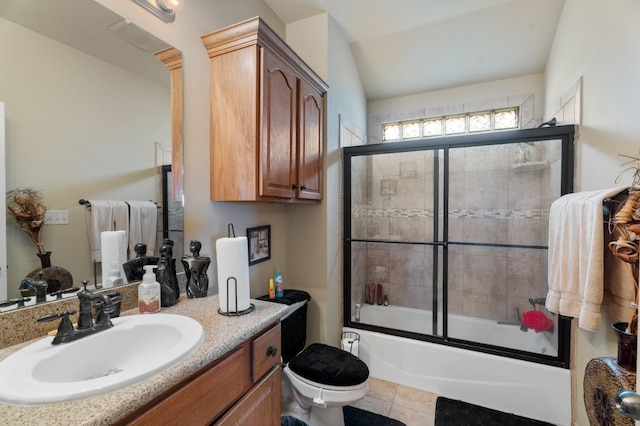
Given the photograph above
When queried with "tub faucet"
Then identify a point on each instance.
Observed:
(517, 320)
(538, 301)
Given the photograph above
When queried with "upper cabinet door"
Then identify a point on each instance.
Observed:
(310, 143)
(278, 144)
(267, 118)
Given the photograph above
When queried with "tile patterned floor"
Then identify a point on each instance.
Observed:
(411, 406)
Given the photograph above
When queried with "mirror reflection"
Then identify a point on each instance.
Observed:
(87, 116)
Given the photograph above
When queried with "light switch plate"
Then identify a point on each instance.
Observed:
(56, 217)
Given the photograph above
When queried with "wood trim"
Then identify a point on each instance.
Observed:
(256, 31)
(172, 59)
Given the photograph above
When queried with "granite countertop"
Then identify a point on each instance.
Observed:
(221, 334)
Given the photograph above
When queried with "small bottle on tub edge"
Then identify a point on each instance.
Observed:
(272, 290)
(278, 282)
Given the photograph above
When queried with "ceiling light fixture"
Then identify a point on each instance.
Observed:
(162, 9)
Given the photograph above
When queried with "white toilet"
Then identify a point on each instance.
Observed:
(321, 379)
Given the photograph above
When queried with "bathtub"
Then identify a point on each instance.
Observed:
(524, 388)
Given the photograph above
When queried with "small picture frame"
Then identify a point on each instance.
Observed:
(259, 241)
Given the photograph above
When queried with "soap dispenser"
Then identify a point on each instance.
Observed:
(149, 291)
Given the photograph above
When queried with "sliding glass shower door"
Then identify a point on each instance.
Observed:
(446, 239)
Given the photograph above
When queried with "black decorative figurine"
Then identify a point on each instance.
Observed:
(166, 276)
(172, 264)
(134, 268)
(195, 269)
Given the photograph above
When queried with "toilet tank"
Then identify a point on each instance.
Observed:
(294, 323)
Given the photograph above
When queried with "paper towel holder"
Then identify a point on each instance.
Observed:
(235, 313)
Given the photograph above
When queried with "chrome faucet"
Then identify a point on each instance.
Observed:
(86, 326)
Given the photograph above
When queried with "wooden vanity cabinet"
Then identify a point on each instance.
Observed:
(241, 387)
(267, 118)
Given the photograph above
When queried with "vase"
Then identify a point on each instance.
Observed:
(627, 346)
(45, 259)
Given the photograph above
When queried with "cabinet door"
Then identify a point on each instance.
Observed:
(260, 406)
(278, 142)
(310, 141)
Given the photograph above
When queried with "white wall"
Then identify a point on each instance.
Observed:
(315, 232)
(599, 42)
(77, 127)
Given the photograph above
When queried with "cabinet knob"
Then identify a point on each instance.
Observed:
(303, 187)
(294, 186)
(271, 351)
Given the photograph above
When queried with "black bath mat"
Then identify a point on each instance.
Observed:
(450, 412)
(356, 417)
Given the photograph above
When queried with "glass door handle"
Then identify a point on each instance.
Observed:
(628, 403)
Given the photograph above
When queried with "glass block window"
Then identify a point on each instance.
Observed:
(411, 130)
(506, 119)
(391, 131)
(432, 127)
(480, 122)
(456, 124)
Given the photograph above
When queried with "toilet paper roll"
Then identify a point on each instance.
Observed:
(114, 255)
(351, 346)
(232, 256)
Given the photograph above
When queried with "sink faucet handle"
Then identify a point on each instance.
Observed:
(65, 329)
(53, 317)
(19, 302)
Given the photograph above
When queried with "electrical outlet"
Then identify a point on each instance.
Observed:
(56, 217)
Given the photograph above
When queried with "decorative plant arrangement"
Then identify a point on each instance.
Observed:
(627, 223)
(25, 205)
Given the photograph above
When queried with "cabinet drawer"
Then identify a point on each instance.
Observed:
(265, 352)
(204, 398)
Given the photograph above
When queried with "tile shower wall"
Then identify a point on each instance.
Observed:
(495, 198)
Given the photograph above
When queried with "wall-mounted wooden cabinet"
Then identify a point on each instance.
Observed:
(267, 118)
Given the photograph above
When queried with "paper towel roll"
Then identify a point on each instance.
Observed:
(233, 261)
(351, 346)
(114, 255)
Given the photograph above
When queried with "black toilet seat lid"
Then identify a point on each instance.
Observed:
(330, 366)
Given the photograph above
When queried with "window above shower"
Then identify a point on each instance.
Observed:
(454, 124)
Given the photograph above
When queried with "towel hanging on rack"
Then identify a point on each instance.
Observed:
(105, 215)
(576, 256)
(143, 222)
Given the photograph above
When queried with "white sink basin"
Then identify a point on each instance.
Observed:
(135, 348)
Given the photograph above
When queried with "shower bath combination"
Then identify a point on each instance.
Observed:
(454, 229)
(457, 227)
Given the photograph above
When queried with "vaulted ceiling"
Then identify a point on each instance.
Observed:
(404, 47)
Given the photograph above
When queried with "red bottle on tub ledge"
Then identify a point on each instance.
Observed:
(374, 294)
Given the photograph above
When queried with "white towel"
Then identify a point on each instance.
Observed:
(576, 256)
(105, 215)
(143, 222)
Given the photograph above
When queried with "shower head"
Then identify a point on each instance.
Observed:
(550, 123)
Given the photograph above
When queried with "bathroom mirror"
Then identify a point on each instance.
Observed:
(88, 115)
